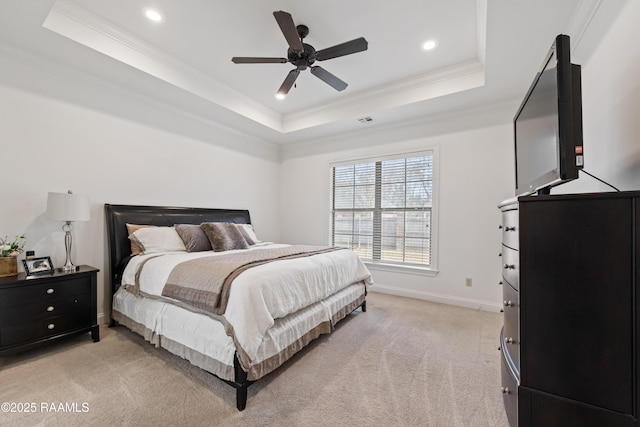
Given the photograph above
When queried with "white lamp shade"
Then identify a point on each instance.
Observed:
(68, 207)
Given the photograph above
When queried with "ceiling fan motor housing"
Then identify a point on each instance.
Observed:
(304, 59)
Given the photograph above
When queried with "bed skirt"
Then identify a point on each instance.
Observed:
(207, 346)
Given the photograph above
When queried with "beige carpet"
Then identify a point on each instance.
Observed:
(402, 363)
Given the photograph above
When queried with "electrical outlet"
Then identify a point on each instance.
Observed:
(468, 281)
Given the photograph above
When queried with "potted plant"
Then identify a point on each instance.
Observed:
(9, 252)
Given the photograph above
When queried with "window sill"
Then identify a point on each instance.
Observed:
(408, 269)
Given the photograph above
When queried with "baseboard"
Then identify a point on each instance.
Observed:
(102, 319)
(441, 298)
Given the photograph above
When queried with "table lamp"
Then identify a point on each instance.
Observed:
(68, 207)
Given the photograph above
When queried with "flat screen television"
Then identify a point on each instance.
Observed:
(548, 125)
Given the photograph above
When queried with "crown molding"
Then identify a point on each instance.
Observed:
(77, 23)
(481, 23)
(448, 80)
(581, 20)
(73, 21)
(498, 113)
(63, 74)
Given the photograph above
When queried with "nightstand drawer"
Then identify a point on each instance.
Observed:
(26, 332)
(25, 294)
(45, 309)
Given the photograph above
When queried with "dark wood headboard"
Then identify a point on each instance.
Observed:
(118, 216)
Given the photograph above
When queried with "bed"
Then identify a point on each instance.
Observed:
(238, 312)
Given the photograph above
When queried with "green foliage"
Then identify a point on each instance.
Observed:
(12, 248)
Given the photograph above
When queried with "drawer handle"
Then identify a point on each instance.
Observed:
(510, 340)
(50, 291)
(500, 283)
(51, 326)
(502, 310)
(505, 390)
(507, 303)
(500, 254)
(499, 227)
(50, 308)
(509, 229)
(509, 266)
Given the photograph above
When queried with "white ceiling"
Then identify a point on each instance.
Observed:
(488, 52)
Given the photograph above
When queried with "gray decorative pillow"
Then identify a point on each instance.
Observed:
(224, 236)
(193, 237)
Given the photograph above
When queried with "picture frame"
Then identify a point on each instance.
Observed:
(41, 265)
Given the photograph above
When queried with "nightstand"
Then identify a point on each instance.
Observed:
(36, 310)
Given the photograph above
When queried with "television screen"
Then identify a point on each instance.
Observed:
(548, 125)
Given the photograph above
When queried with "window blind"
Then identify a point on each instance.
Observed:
(381, 209)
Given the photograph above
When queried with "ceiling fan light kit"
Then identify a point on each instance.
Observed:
(303, 55)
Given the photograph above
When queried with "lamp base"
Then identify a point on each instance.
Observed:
(68, 265)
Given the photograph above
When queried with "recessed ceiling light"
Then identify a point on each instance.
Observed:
(153, 15)
(429, 44)
(280, 96)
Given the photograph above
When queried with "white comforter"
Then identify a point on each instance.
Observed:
(261, 294)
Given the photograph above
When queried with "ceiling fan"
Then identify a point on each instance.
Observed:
(303, 55)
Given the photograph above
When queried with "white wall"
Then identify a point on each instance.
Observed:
(51, 145)
(611, 108)
(475, 174)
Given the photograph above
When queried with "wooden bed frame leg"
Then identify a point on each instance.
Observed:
(241, 397)
(364, 306)
(241, 384)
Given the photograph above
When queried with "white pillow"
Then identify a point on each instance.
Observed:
(248, 228)
(159, 239)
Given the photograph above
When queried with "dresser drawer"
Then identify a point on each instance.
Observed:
(511, 307)
(25, 294)
(43, 328)
(511, 267)
(45, 309)
(510, 228)
(509, 392)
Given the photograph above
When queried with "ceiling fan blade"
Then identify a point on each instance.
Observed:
(288, 82)
(329, 78)
(342, 49)
(254, 60)
(288, 28)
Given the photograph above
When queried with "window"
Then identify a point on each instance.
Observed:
(383, 209)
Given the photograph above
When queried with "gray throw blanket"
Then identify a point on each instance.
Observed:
(204, 283)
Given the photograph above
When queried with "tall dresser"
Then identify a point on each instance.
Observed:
(570, 354)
